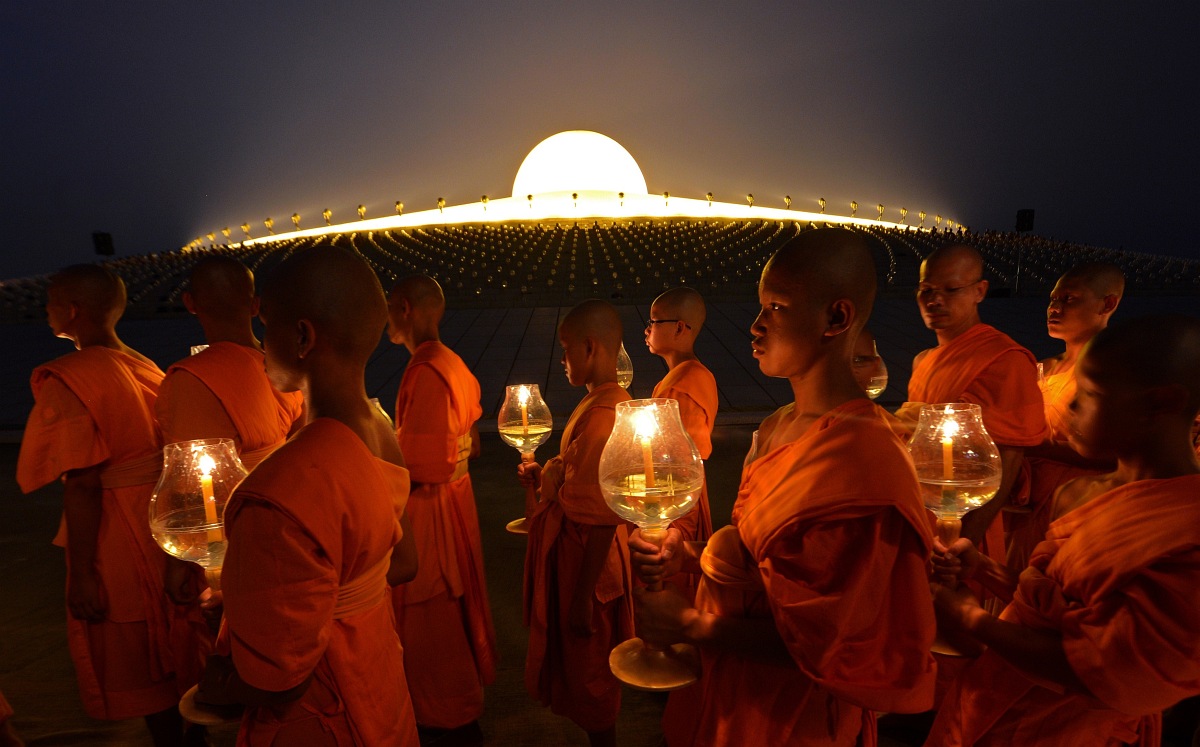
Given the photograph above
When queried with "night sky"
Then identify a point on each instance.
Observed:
(157, 122)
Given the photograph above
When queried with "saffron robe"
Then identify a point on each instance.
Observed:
(442, 615)
(1119, 579)
(562, 670)
(693, 386)
(223, 392)
(838, 557)
(95, 407)
(985, 367)
(311, 533)
(1046, 476)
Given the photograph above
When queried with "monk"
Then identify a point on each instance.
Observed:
(1101, 633)
(1081, 304)
(442, 616)
(813, 611)
(221, 392)
(676, 318)
(577, 578)
(93, 427)
(975, 362)
(316, 532)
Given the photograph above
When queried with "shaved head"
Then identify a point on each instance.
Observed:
(684, 304)
(423, 294)
(596, 320)
(829, 264)
(222, 287)
(1102, 278)
(959, 256)
(1149, 352)
(336, 291)
(98, 292)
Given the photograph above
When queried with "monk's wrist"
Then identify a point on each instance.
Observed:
(697, 626)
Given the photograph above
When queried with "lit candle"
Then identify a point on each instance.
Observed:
(949, 429)
(210, 502)
(523, 398)
(645, 429)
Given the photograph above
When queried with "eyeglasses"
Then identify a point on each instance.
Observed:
(651, 322)
(927, 292)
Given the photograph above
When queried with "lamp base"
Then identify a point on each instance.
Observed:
(517, 526)
(207, 715)
(654, 670)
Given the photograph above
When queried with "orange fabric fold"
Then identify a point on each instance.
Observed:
(319, 515)
(1119, 579)
(95, 408)
(986, 367)
(232, 390)
(692, 385)
(568, 673)
(443, 615)
(837, 558)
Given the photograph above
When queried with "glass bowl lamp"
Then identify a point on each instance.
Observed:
(187, 509)
(524, 423)
(651, 474)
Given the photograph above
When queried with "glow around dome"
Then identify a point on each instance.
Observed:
(578, 161)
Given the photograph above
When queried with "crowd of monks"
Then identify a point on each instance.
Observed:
(353, 609)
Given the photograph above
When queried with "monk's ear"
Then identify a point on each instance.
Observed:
(255, 304)
(841, 315)
(306, 337)
(981, 291)
(1110, 304)
(189, 303)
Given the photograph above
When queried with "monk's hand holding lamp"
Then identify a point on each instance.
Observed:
(651, 474)
(524, 423)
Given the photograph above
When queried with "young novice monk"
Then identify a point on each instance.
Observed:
(442, 616)
(1101, 631)
(1081, 303)
(93, 426)
(221, 392)
(675, 320)
(311, 531)
(577, 580)
(813, 611)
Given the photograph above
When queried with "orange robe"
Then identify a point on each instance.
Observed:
(562, 670)
(985, 367)
(1045, 475)
(837, 556)
(442, 615)
(1119, 579)
(223, 391)
(96, 407)
(693, 386)
(220, 392)
(311, 532)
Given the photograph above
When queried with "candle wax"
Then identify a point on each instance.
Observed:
(648, 461)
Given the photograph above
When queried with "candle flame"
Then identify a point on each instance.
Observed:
(207, 464)
(645, 425)
(523, 394)
(949, 430)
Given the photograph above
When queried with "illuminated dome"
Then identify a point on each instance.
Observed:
(578, 161)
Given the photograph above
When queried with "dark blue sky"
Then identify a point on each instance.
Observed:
(157, 122)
